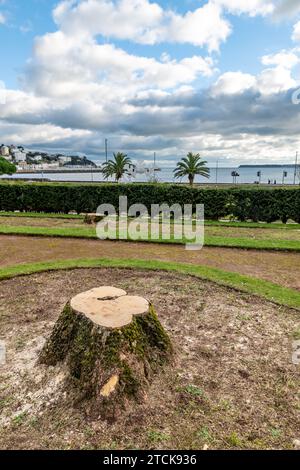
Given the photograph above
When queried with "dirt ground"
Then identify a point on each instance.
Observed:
(232, 383)
(280, 267)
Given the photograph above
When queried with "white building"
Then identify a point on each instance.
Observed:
(4, 151)
(19, 156)
(64, 159)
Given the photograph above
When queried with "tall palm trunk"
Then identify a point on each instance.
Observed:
(191, 179)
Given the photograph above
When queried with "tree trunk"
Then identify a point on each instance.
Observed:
(111, 344)
(93, 218)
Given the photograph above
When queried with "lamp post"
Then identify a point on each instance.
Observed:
(259, 176)
(106, 150)
(284, 175)
(296, 166)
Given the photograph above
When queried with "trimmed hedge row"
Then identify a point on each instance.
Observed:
(266, 205)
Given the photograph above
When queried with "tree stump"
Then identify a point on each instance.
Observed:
(91, 219)
(112, 344)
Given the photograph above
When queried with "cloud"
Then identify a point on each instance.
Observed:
(275, 80)
(286, 8)
(78, 88)
(296, 32)
(231, 83)
(285, 59)
(252, 7)
(2, 18)
(270, 81)
(63, 67)
(143, 22)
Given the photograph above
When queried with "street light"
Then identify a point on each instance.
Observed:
(296, 166)
(259, 176)
(284, 175)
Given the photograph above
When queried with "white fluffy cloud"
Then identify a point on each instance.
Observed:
(251, 7)
(143, 22)
(63, 66)
(231, 83)
(285, 59)
(2, 18)
(275, 80)
(270, 81)
(78, 87)
(296, 32)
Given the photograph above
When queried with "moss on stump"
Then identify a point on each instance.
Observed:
(112, 344)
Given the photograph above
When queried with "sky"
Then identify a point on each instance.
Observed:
(218, 77)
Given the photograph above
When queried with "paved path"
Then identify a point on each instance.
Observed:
(280, 267)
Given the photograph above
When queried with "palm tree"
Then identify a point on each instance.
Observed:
(190, 166)
(117, 166)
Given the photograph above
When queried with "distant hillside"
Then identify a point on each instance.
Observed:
(267, 166)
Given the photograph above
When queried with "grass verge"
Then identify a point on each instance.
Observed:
(262, 225)
(90, 232)
(41, 215)
(265, 289)
(213, 223)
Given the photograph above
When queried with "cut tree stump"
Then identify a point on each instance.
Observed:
(112, 344)
(93, 218)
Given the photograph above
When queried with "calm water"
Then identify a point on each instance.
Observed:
(247, 175)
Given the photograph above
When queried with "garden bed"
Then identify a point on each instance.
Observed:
(232, 383)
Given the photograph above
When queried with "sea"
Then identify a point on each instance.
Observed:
(247, 175)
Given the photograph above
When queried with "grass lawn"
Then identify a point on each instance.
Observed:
(262, 288)
(246, 241)
(213, 223)
(40, 215)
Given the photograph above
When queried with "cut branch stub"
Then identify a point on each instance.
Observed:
(112, 343)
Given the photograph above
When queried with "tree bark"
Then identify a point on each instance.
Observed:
(91, 219)
(112, 344)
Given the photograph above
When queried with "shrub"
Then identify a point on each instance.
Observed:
(265, 205)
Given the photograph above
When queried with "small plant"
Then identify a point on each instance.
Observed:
(194, 391)
(244, 317)
(157, 436)
(5, 402)
(296, 334)
(225, 404)
(33, 422)
(204, 434)
(20, 344)
(234, 440)
(19, 419)
(275, 432)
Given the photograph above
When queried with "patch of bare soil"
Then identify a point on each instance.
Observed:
(41, 222)
(232, 383)
(279, 267)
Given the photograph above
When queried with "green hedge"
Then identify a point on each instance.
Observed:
(266, 205)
